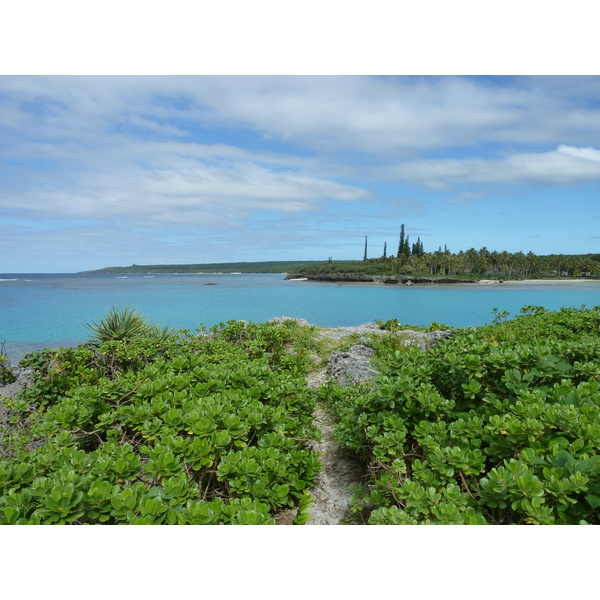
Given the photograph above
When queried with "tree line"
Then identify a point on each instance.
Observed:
(412, 259)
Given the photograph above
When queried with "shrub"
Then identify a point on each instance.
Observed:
(196, 431)
(127, 324)
(6, 374)
(499, 425)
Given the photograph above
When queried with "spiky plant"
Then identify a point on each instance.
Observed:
(162, 334)
(119, 324)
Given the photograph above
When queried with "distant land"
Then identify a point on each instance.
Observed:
(234, 267)
(409, 263)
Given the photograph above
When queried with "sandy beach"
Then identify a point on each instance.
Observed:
(566, 281)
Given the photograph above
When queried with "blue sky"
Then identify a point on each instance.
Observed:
(100, 171)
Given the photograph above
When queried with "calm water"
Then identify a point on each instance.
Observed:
(37, 311)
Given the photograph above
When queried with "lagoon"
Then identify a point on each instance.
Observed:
(41, 310)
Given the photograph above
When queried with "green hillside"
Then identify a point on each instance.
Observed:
(234, 267)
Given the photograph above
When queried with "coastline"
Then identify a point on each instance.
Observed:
(565, 280)
(407, 280)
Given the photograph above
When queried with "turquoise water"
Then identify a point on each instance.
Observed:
(43, 310)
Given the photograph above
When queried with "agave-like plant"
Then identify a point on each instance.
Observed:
(119, 324)
(161, 334)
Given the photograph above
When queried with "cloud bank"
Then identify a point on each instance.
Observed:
(148, 159)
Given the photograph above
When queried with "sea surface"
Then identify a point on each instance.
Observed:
(51, 310)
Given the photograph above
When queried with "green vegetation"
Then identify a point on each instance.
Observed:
(6, 374)
(498, 425)
(472, 264)
(412, 260)
(200, 429)
(128, 324)
(234, 267)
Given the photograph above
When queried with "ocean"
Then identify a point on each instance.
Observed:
(51, 310)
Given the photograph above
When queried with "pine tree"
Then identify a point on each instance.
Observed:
(365, 256)
(406, 250)
(401, 244)
(384, 249)
(417, 248)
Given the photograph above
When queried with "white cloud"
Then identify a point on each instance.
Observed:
(174, 195)
(564, 166)
(357, 114)
(587, 153)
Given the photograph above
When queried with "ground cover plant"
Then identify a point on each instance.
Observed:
(6, 374)
(497, 425)
(144, 428)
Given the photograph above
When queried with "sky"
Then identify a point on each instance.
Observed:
(100, 171)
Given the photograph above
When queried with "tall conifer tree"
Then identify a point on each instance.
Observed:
(401, 244)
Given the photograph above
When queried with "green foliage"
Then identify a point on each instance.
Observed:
(207, 429)
(127, 324)
(471, 264)
(499, 425)
(394, 325)
(236, 267)
(119, 324)
(6, 374)
(286, 345)
(302, 516)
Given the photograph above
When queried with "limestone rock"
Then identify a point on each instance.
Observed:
(352, 366)
(301, 322)
(420, 339)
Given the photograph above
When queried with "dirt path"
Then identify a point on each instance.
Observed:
(341, 471)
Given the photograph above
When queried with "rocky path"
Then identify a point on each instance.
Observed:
(342, 471)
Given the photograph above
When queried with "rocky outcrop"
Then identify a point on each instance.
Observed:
(338, 333)
(301, 322)
(353, 366)
(420, 339)
(23, 379)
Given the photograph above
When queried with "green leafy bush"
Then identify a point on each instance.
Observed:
(6, 374)
(499, 425)
(194, 430)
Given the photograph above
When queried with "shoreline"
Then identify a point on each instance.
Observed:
(567, 280)
(386, 280)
